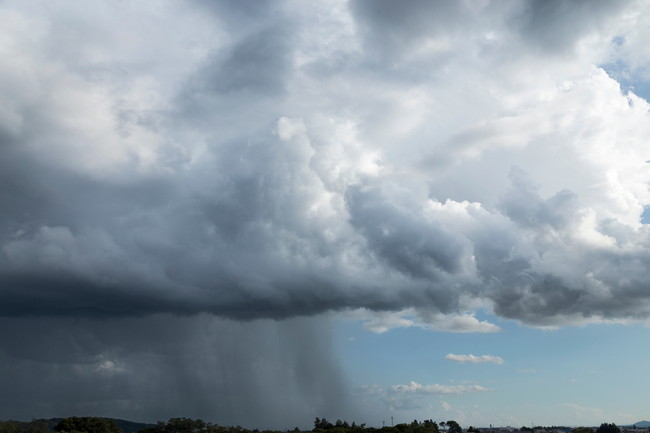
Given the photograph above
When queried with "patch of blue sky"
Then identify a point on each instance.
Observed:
(645, 216)
(594, 366)
(629, 80)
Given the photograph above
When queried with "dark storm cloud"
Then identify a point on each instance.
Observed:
(553, 26)
(245, 196)
(236, 12)
(407, 243)
(587, 286)
(396, 25)
(556, 25)
(524, 206)
(257, 64)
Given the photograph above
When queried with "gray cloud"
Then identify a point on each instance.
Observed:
(556, 25)
(410, 245)
(256, 64)
(237, 217)
(238, 13)
(392, 26)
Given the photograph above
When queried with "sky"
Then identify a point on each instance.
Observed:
(261, 212)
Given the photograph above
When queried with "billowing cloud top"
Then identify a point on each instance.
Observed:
(278, 159)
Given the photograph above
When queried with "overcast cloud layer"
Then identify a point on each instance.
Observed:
(409, 162)
(261, 161)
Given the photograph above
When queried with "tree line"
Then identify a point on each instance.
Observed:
(74, 424)
(321, 425)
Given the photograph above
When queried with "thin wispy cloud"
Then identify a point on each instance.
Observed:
(416, 396)
(417, 388)
(380, 322)
(473, 359)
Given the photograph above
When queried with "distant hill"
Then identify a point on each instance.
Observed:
(640, 424)
(130, 426)
(126, 426)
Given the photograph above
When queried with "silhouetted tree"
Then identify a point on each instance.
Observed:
(454, 427)
(608, 428)
(87, 424)
(323, 424)
(10, 427)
